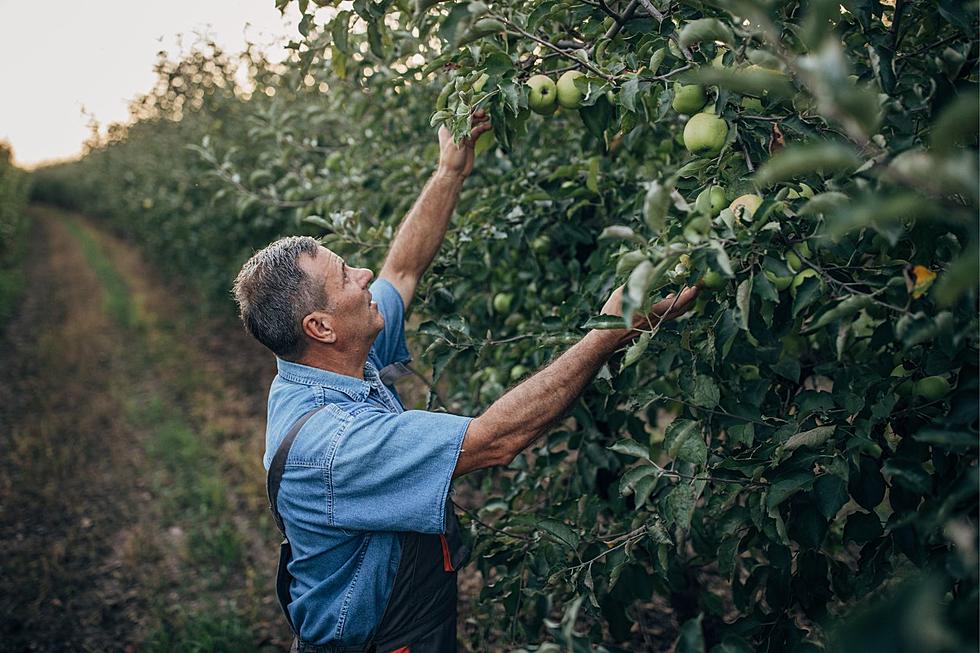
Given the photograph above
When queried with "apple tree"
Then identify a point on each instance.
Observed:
(14, 192)
(747, 478)
(808, 436)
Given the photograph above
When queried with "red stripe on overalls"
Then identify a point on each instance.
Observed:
(447, 562)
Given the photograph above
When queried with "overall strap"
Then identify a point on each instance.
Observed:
(274, 478)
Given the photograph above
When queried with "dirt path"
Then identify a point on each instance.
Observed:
(132, 502)
(132, 512)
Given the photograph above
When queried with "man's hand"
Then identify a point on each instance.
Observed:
(666, 309)
(457, 159)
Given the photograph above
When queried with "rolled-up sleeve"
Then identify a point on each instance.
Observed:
(391, 472)
(390, 344)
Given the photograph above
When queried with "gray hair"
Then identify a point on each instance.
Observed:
(274, 294)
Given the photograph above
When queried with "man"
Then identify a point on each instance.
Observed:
(359, 484)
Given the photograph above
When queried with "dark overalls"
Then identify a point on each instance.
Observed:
(421, 613)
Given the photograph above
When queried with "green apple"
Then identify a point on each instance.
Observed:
(568, 94)
(711, 201)
(713, 280)
(541, 244)
(932, 388)
(905, 389)
(793, 261)
(705, 133)
(543, 95)
(745, 206)
(502, 302)
(697, 228)
(688, 99)
(780, 283)
(517, 372)
(752, 104)
(749, 372)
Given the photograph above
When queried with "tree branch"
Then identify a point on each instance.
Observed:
(551, 46)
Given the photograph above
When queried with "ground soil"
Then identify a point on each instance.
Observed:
(99, 545)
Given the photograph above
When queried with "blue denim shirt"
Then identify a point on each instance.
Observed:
(360, 471)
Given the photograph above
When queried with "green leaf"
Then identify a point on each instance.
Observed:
(636, 350)
(952, 440)
(656, 59)
(812, 438)
(679, 505)
(843, 310)
(961, 275)
(796, 161)
(909, 474)
(643, 488)
(690, 639)
(632, 476)
(684, 442)
(638, 284)
(560, 532)
(823, 203)
(705, 29)
(705, 392)
(758, 82)
(656, 204)
(631, 448)
(340, 29)
(786, 487)
(957, 124)
(743, 298)
(830, 494)
(627, 93)
(622, 232)
(597, 117)
(862, 527)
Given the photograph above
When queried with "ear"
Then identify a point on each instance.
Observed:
(319, 326)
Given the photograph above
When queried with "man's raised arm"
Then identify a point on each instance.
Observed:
(528, 410)
(423, 228)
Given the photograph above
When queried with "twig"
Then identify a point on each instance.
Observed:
(665, 76)
(745, 151)
(555, 48)
(600, 4)
(488, 526)
(430, 385)
(896, 21)
(652, 10)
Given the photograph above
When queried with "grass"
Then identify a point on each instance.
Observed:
(164, 396)
(191, 484)
(116, 295)
(215, 630)
(192, 488)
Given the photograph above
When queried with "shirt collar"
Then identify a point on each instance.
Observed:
(353, 387)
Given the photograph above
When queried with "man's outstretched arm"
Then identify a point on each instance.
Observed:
(423, 228)
(528, 410)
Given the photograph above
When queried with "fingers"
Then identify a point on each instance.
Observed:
(480, 123)
(673, 305)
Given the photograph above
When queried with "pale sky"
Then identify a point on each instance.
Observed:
(58, 56)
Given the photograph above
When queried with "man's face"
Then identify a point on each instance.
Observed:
(355, 316)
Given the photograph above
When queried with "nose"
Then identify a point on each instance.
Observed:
(366, 276)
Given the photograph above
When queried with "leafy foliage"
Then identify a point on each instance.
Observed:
(804, 438)
(14, 192)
